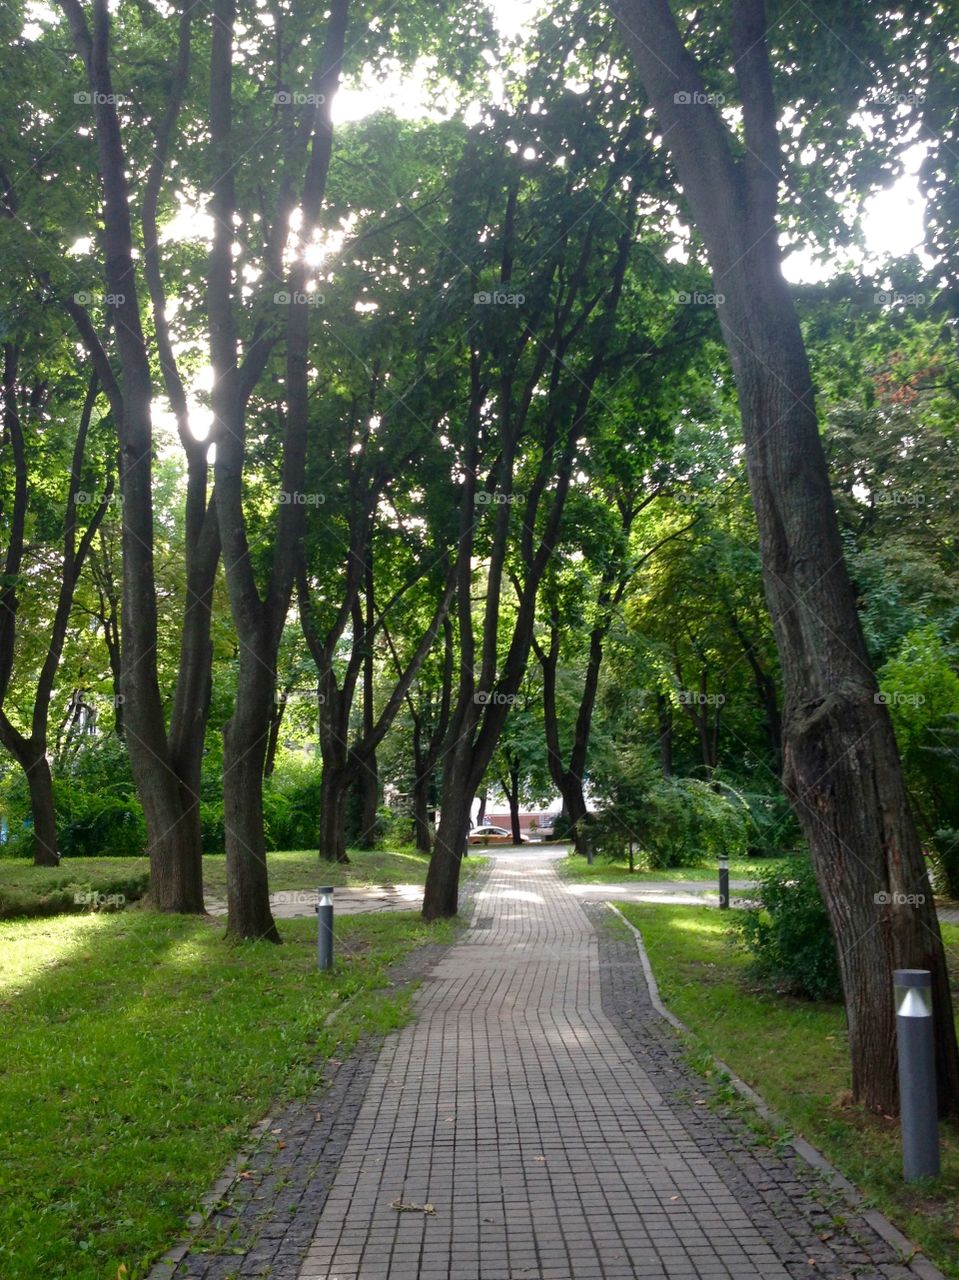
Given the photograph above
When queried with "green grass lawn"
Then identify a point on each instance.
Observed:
(575, 867)
(26, 890)
(302, 869)
(794, 1053)
(138, 1050)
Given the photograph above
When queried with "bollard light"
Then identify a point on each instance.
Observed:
(919, 1113)
(723, 881)
(324, 924)
(466, 846)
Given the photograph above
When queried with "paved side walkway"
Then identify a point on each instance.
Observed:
(513, 1131)
(289, 904)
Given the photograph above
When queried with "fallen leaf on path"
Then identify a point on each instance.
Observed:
(410, 1206)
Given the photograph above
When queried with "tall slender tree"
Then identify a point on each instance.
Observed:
(841, 765)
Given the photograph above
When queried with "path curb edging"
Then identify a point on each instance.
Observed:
(878, 1221)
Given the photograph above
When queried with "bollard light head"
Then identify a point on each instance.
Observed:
(724, 861)
(326, 896)
(913, 989)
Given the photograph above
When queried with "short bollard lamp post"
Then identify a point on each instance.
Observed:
(324, 934)
(723, 881)
(918, 1106)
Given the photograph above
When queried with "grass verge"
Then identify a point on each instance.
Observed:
(26, 890)
(575, 867)
(302, 869)
(80, 884)
(138, 1051)
(795, 1054)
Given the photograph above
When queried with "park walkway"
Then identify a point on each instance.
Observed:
(537, 1121)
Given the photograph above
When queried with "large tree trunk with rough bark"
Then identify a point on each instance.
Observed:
(841, 764)
(334, 789)
(244, 751)
(441, 896)
(43, 811)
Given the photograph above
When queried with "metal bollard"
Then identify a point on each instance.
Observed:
(723, 881)
(466, 846)
(324, 933)
(589, 848)
(917, 1074)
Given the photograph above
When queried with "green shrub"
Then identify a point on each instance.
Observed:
(212, 833)
(291, 804)
(675, 822)
(921, 691)
(788, 936)
(99, 824)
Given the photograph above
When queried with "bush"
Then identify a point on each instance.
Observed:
(291, 804)
(675, 822)
(921, 692)
(788, 936)
(98, 813)
(95, 824)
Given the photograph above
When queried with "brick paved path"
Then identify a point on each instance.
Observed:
(515, 1106)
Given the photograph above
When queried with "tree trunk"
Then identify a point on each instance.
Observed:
(172, 829)
(244, 751)
(574, 806)
(512, 797)
(441, 896)
(664, 717)
(40, 782)
(421, 812)
(369, 783)
(273, 740)
(841, 765)
(334, 788)
(482, 799)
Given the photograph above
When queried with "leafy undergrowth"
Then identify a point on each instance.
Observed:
(794, 1053)
(575, 867)
(138, 1050)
